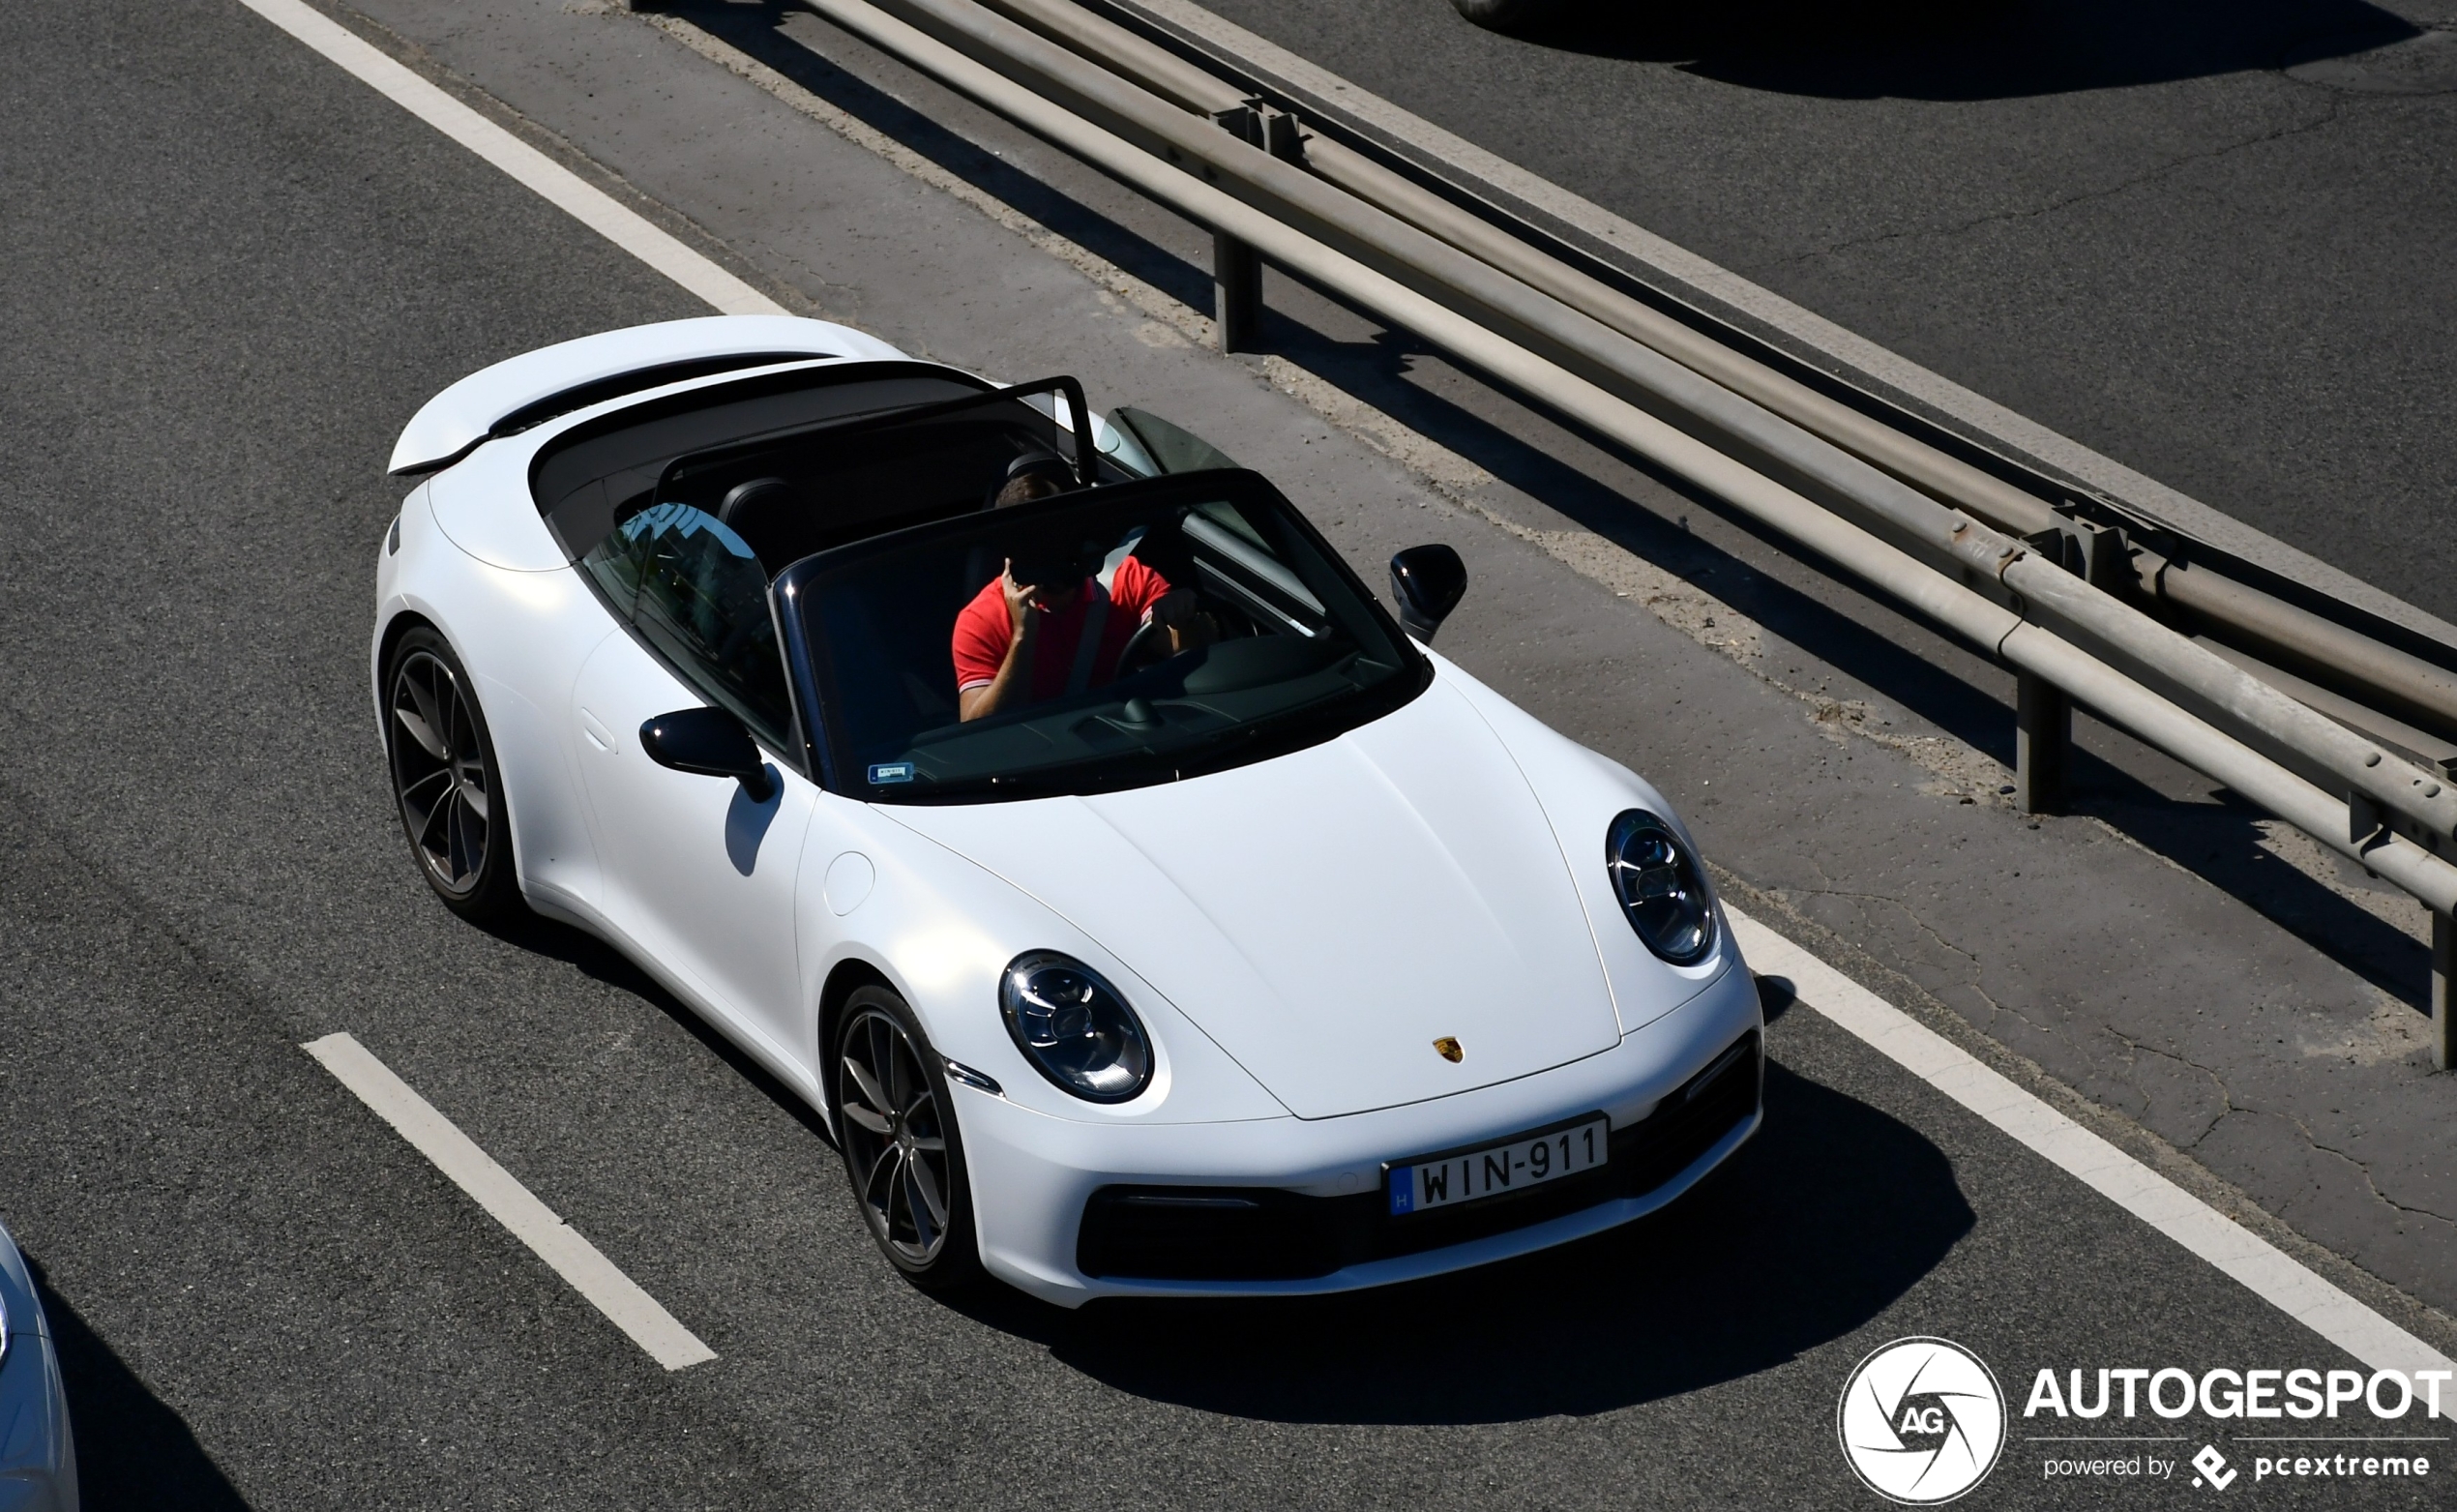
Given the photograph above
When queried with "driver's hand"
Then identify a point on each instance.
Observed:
(1188, 627)
(1019, 597)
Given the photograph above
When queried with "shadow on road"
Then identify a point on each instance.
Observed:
(2223, 843)
(1833, 1212)
(1930, 49)
(133, 1449)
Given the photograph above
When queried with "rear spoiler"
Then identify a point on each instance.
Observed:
(536, 386)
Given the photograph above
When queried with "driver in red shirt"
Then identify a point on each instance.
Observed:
(1041, 630)
(1045, 626)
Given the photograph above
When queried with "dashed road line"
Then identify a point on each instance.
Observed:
(510, 1203)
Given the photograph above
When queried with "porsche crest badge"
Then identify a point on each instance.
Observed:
(1449, 1048)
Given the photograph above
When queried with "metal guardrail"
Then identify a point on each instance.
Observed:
(2055, 594)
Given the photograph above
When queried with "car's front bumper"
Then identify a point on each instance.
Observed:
(1032, 1174)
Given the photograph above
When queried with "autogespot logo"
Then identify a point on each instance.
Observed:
(1921, 1421)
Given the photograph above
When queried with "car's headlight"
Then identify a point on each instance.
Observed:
(1075, 1027)
(1661, 887)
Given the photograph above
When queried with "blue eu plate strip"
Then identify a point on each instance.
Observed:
(1402, 1189)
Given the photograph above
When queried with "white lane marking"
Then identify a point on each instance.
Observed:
(2267, 1271)
(557, 185)
(1804, 326)
(472, 1169)
(2231, 1248)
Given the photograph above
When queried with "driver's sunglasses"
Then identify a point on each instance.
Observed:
(1047, 572)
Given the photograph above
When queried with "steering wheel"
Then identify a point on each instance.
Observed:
(1148, 644)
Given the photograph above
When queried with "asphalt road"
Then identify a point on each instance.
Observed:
(233, 272)
(2205, 238)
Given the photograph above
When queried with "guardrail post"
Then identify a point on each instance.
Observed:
(2042, 714)
(1236, 272)
(1236, 293)
(2107, 558)
(2363, 818)
(2444, 981)
(2042, 744)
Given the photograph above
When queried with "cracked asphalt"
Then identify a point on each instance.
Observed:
(2204, 238)
(239, 271)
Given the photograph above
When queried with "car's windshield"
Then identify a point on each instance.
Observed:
(1098, 639)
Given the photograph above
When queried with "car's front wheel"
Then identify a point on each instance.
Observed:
(445, 779)
(902, 1151)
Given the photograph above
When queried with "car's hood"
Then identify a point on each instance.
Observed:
(1327, 916)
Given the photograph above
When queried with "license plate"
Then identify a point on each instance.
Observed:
(1532, 1160)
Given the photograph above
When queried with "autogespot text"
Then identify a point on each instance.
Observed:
(2223, 1393)
(2288, 1396)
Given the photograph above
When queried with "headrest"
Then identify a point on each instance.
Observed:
(1038, 465)
(746, 499)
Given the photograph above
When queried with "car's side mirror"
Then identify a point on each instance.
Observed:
(707, 743)
(1428, 581)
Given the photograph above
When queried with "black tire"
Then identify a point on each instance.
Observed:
(897, 1128)
(1507, 15)
(446, 782)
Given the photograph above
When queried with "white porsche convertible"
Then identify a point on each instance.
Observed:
(1038, 794)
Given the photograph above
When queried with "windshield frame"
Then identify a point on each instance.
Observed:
(794, 591)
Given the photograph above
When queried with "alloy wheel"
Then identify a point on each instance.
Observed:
(439, 772)
(894, 1140)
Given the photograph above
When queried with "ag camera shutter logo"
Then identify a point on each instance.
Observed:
(1922, 1420)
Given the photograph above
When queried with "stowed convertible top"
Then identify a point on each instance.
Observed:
(799, 460)
(519, 391)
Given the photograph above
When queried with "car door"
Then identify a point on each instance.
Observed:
(698, 873)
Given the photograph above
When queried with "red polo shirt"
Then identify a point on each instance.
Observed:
(982, 631)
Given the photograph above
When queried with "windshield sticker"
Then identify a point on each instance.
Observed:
(886, 772)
